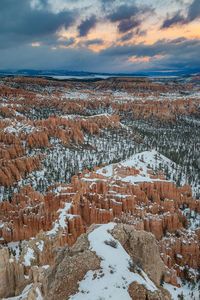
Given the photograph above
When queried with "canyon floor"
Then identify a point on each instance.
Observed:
(100, 188)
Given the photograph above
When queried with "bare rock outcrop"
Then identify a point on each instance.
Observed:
(143, 248)
(71, 264)
(138, 292)
(11, 274)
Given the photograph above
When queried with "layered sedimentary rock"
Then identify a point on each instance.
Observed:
(12, 170)
(11, 274)
(61, 281)
(152, 205)
(32, 124)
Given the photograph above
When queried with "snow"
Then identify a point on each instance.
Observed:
(28, 257)
(14, 247)
(40, 245)
(141, 162)
(63, 214)
(18, 127)
(39, 296)
(77, 95)
(185, 290)
(113, 279)
(63, 77)
(61, 221)
(70, 116)
(193, 218)
(46, 267)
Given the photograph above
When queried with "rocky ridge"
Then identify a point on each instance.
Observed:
(73, 265)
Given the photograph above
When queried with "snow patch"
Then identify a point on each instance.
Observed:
(113, 280)
(28, 257)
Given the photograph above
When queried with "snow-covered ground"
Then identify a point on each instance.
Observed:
(17, 127)
(114, 277)
(193, 217)
(186, 291)
(61, 221)
(28, 257)
(144, 161)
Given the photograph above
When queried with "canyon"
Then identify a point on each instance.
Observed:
(123, 152)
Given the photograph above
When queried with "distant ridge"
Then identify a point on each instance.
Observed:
(31, 72)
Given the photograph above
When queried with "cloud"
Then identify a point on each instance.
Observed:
(126, 37)
(140, 32)
(174, 20)
(179, 54)
(56, 41)
(135, 33)
(94, 42)
(44, 58)
(194, 10)
(30, 29)
(87, 25)
(36, 44)
(128, 16)
(193, 13)
(22, 23)
(126, 25)
(107, 4)
(66, 41)
(161, 47)
(123, 12)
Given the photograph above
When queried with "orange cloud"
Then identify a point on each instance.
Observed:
(137, 59)
(145, 58)
(189, 31)
(109, 34)
(36, 44)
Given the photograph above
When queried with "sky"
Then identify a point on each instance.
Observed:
(123, 36)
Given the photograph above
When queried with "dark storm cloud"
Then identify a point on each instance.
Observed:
(140, 32)
(161, 47)
(194, 10)
(123, 12)
(176, 19)
(66, 42)
(127, 25)
(20, 23)
(94, 42)
(128, 16)
(43, 57)
(54, 41)
(86, 25)
(181, 53)
(135, 33)
(193, 13)
(126, 37)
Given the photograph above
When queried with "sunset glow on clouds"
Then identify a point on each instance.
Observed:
(100, 35)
